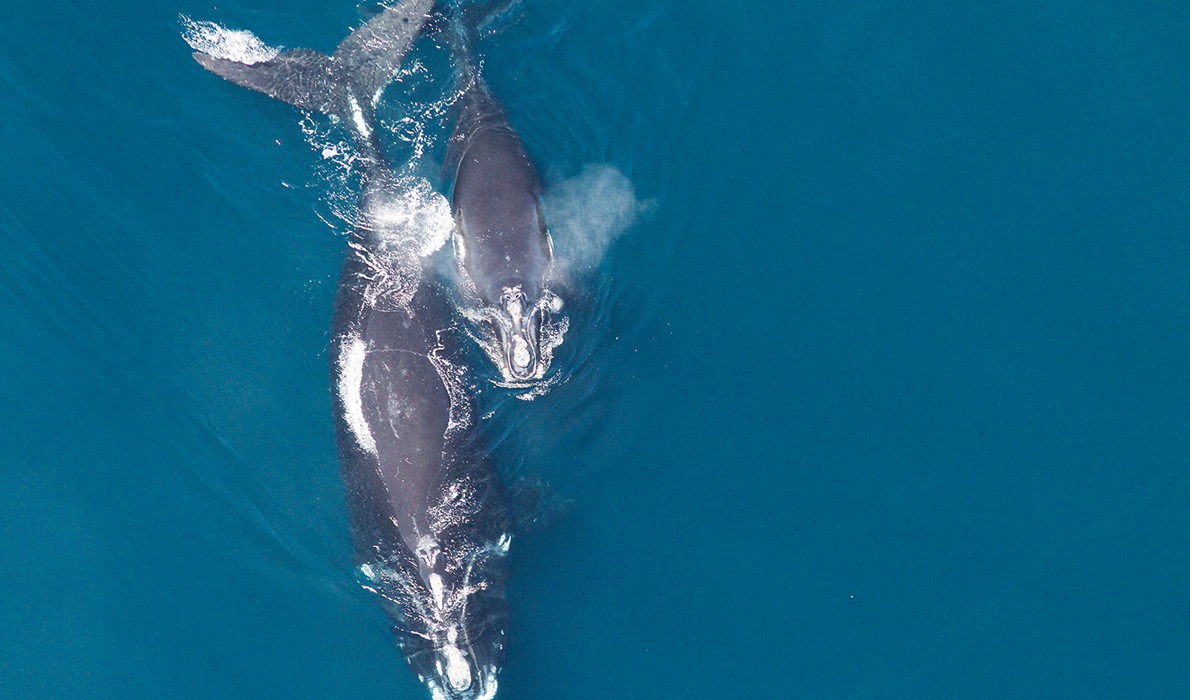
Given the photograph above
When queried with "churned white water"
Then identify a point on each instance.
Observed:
(232, 44)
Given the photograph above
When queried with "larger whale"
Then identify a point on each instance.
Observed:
(429, 515)
(430, 518)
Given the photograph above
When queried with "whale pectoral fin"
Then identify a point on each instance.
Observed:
(372, 54)
(300, 77)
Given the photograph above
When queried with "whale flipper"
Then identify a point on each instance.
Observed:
(303, 78)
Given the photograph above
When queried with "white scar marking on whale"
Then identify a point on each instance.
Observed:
(357, 115)
(351, 376)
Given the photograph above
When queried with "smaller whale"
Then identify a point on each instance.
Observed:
(502, 239)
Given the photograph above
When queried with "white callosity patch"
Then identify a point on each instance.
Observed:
(231, 44)
(481, 329)
(458, 671)
(352, 353)
(520, 352)
(587, 212)
(514, 305)
(441, 615)
(550, 336)
(438, 589)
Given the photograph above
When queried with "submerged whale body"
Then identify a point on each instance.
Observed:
(428, 513)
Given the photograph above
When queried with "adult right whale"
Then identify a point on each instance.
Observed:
(429, 514)
(502, 239)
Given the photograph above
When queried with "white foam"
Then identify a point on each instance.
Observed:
(489, 684)
(231, 44)
(416, 216)
(454, 378)
(455, 504)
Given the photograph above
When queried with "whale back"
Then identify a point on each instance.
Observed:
(496, 198)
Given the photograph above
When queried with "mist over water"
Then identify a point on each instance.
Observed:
(874, 385)
(587, 213)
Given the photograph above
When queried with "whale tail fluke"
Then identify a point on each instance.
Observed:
(301, 77)
(372, 54)
(344, 83)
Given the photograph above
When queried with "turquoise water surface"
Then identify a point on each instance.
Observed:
(881, 388)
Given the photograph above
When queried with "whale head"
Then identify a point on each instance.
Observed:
(518, 318)
(459, 673)
(458, 656)
(455, 629)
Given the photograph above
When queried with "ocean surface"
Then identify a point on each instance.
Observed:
(878, 387)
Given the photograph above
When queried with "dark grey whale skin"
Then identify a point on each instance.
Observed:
(429, 515)
(393, 492)
(496, 198)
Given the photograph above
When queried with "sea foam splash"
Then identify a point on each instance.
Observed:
(407, 222)
(587, 213)
(232, 44)
(424, 214)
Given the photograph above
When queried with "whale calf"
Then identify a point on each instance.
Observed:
(429, 515)
(502, 239)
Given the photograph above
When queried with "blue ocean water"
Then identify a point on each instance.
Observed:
(884, 394)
